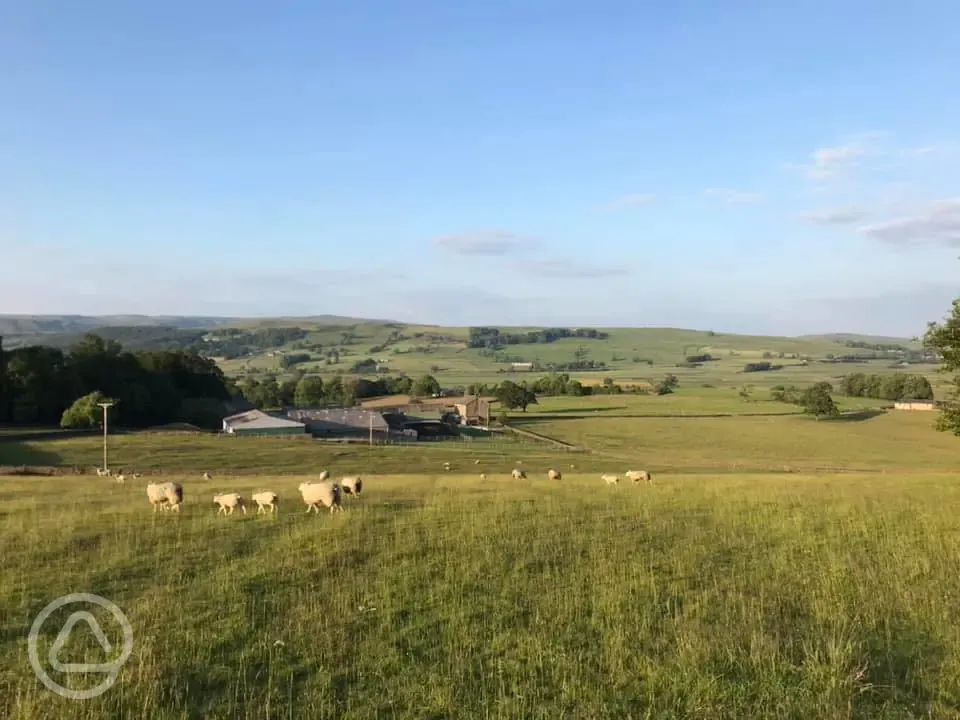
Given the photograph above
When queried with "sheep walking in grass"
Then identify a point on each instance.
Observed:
(554, 474)
(639, 476)
(518, 474)
(352, 485)
(166, 496)
(326, 494)
(266, 501)
(610, 479)
(229, 502)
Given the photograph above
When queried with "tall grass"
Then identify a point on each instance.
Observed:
(446, 597)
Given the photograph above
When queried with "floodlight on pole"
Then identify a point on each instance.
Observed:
(105, 405)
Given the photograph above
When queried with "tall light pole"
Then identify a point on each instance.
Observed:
(105, 405)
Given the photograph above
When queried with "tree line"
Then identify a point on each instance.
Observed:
(894, 386)
(155, 387)
(491, 337)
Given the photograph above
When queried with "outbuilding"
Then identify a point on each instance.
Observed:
(257, 422)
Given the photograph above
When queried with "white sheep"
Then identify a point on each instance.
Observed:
(321, 493)
(266, 501)
(518, 474)
(476, 462)
(207, 476)
(554, 474)
(325, 475)
(447, 466)
(483, 476)
(352, 485)
(166, 496)
(102, 472)
(610, 479)
(229, 502)
(638, 475)
(121, 478)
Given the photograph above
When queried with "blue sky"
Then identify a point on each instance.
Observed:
(729, 165)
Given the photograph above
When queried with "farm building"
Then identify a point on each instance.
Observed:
(346, 422)
(915, 405)
(257, 422)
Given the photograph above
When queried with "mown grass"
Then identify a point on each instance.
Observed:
(444, 597)
(892, 441)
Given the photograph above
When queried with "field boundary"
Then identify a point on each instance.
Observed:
(545, 439)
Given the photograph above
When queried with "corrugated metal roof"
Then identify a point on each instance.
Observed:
(259, 419)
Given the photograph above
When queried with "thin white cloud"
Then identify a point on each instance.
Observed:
(937, 224)
(631, 200)
(927, 151)
(829, 163)
(561, 268)
(490, 243)
(734, 197)
(836, 216)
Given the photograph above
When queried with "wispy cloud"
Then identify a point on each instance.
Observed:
(828, 163)
(937, 224)
(836, 216)
(560, 268)
(630, 200)
(735, 197)
(927, 151)
(490, 243)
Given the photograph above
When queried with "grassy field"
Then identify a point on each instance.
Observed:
(631, 355)
(777, 567)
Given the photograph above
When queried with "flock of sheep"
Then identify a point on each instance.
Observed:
(168, 496)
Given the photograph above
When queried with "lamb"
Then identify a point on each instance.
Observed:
(518, 474)
(266, 501)
(229, 502)
(352, 485)
(554, 474)
(610, 479)
(322, 493)
(638, 475)
(166, 496)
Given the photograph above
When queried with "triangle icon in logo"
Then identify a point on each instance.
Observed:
(64, 635)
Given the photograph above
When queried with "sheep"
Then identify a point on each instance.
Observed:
(518, 474)
(166, 496)
(325, 475)
(102, 472)
(476, 462)
(207, 476)
(137, 476)
(610, 479)
(554, 474)
(121, 478)
(266, 501)
(483, 476)
(229, 502)
(352, 485)
(323, 493)
(447, 466)
(638, 475)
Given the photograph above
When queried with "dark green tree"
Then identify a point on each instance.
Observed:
(943, 338)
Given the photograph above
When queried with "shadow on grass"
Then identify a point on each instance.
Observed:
(16, 453)
(858, 415)
(602, 408)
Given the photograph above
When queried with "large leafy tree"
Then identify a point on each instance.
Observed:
(943, 338)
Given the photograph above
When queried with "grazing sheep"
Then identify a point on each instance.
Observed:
(483, 476)
(519, 474)
(229, 502)
(101, 472)
(166, 496)
(554, 474)
(638, 475)
(476, 462)
(137, 476)
(352, 485)
(207, 476)
(325, 475)
(323, 493)
(447, 466)
(266, 501)
(610, 479)
(121, 478)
